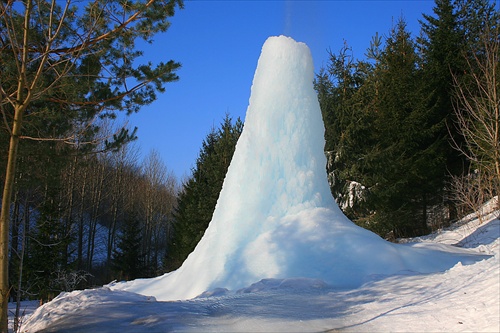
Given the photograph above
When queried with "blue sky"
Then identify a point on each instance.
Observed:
(218, 44)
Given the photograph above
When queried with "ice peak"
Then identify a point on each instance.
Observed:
(275, 217)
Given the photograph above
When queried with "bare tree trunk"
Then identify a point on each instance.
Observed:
(23, 98)
(5, 216)
(94, 216)
(69, 198)
(115, 203)
(81, 220)
(21, 263)
(15, 222)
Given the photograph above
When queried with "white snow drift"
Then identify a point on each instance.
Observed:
(275, 217)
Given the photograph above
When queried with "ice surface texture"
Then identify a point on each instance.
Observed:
(276, 217)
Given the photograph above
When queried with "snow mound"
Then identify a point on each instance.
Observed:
(275, 217)
(69, 304)
(279, 255)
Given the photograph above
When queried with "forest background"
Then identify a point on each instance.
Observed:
(412, 142)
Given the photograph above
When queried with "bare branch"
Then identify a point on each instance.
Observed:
(477, 110)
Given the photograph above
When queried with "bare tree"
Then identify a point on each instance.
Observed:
(158, 199)
(477, 110)
(119, 189)
(470, 193)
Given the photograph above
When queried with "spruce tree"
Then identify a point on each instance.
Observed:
(448, 41)
(197, 200)
(442, 45)
(128, 260)
(408, 168)
(46, 260)
(346, 91)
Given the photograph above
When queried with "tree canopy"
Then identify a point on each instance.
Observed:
(390, 120)
(198, 197)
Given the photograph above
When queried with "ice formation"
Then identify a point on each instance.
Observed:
(275, 217)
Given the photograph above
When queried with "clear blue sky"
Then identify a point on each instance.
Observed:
(218, 44)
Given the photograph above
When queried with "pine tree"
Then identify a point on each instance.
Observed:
(46, 259)
(385, 161)
(442, 44)
(197, 200)
(347, 90)
(448, 43)
(477, 108)
(128, 260)
(410, 155)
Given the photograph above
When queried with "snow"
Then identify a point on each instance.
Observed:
(461, 299)
(279, 255)
(26, 309)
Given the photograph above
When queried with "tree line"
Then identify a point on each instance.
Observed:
(70, 220)
(415, 120)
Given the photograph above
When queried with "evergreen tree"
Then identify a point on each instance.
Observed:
(448, 42)
(128, 260)
(442, 44)
(477, 109)
(346, 92)
(46, 259)
(408, 168)
(387, 150)
(197, 200)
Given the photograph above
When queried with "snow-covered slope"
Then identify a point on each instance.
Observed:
(461, 299)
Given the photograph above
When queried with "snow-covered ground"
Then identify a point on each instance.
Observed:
(463, 298)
